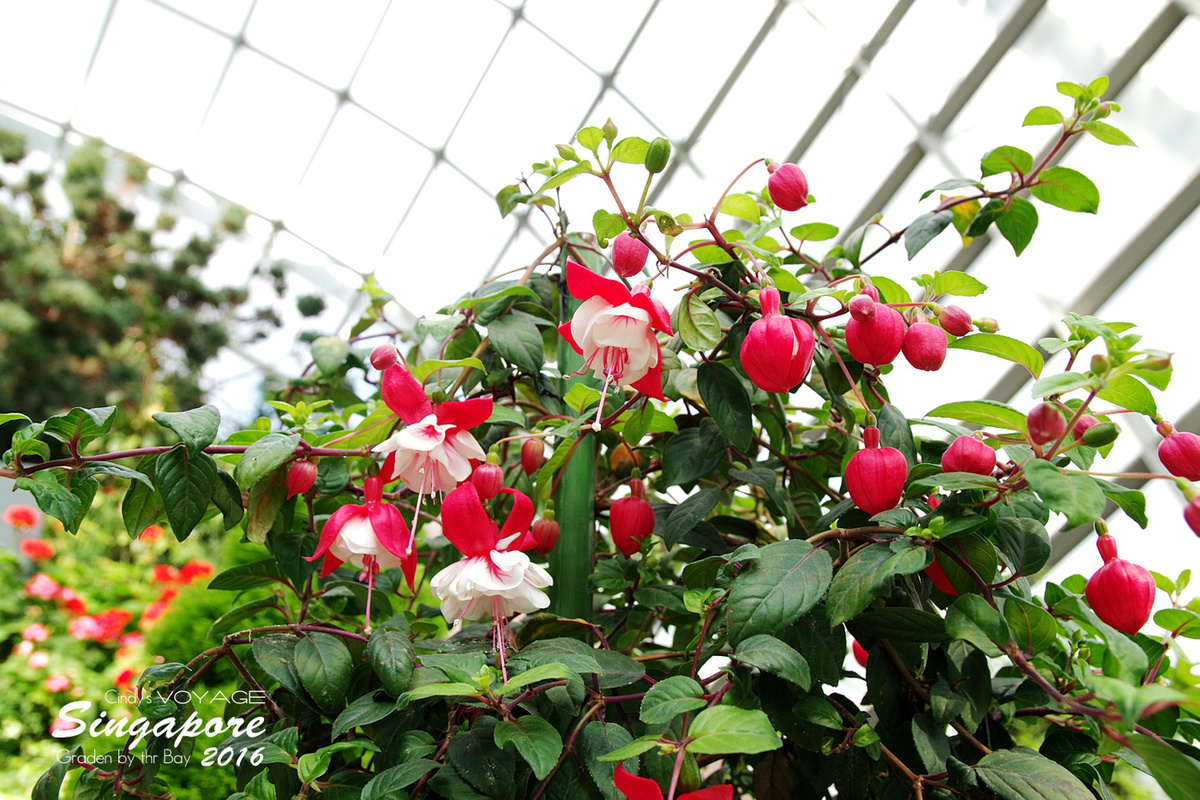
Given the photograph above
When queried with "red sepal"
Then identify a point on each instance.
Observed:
(650, 384)
(466, 524)
(403, 395)
(564, 331)
(583, 283)
(519, 520)
(659, 318)
(634, 787)
(332, 527)
(465, 414)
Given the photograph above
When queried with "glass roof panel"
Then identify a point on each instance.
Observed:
(227, 16)
(324, 40)
(600, 40)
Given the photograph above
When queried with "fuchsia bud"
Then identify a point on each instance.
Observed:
(969, 454)
(630, 520)
(488, 480)
(1179, 452)
(628, 255)
(875, 475)
(1081, 425)
(787, 186)
(533, 455)
(862, 307)
(383, 356)
(937, 575)
(1121, 592)
(1046, 423)
(870, 291)
(545, 533)
(860, 653)
(955, 321)
(778, 351)
(1191, 515)
(300, 477)
(925, 346)
(876, 340)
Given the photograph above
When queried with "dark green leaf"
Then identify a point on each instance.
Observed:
(248, 576)
(1132, 502)
(1033, 629)
(392, 657)
(1002, 347)
(262, 506)
(772, 592)
(51, 496)
(116, 470)
(696, 324)
(394, 779)
(972, 619)
(1018, 223)
(226, 622)
(276, 654)
(263, 457)
(186, 485)
(685, 515)
(895, 432)
(772, 655)
(1075, 496)
(47, 786)
(1006, 159)
(538, 742)
(691, 454)
(868, 574)
(984, 219)
(518, 341)
(1067, 189)
(1025, 542)
(476, 757)
(932, 745)
(1177, 774)
(80, 424)
(727, 401)
(952, 183)
(363, 711)
(324, 664)
(1022, 774)
(922, 230)
(599, 739)
(196, 428)
(902, 625)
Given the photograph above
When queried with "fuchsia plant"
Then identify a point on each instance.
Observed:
(696, 650)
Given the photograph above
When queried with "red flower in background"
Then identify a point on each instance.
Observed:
(152, 533)
(105, 626)
(36, 632)
(636, 788)
(71, 601)
(22, 517)
(58, 682)
(36, 549)
(124, 680)
(42, 586)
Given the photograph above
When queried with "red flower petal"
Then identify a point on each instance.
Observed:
(634, 787)
(723, 791)
(584, 283)
(520, 518)
(466, 524)
(403, 395)
(332, 527)
(391, 530)
(330, 563)
(659, 318)
(564, 331)
(465, 414)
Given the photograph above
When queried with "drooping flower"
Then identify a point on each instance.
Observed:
(435, 451)
(1120, 592)
(22, 517)
(371, 536)
(787, 186)
(614, 331)
(638, 788)
(36, 549)
(631, 519)
(778, 351)
(875, 475)
(494, 578)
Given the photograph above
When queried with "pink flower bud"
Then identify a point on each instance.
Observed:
(875, 475)
(1191, 515)
(545, 533)
(787, 186)
(876, 341)
(1081, 425)
(533, 455)
(630, 520)
(383, 356)
(860, 653)
(862, 307)
(1121, 592)
(987, 325)
(969, 454)
(488, 480)
(955, 321)
(778, 351)
(628, 255)
(925, 346)
(300, 477)
(1046, 423)
(1179, 452)
(870, 291)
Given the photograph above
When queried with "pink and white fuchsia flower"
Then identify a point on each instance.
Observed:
(371, 536)
(435, 451)
(614, 331)
(494, 578)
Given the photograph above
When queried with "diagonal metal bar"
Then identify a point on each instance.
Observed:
(1016, 25)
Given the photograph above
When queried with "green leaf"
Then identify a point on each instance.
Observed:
(477, 758)
(697, 324)
(10, 416)
(729, 729)
(1022, 774)
(957, 283)
(772, 655)
(868, 574)
(902, 625)
(566, 175)
(922, 230)
(80, 424)
(186, 484)
(742, 206)
(814, 232)
(393, 658)
(421, 372)
(1033, 629)
(972, 619)
(518, 341)
(727, 401)
(691, 454)
(394, 779)
(1073, 90)
(1006, 159)
(685, 515)
(329, 354)
(779, 587)
(669, 698)
(363, 711)
(227, 621)
(952, 183)
(248, 576)
(634, 748)
(579, 397)
(47, 786)
(1075, 496)
(427, 368)
(1061, 383)
(538, 742)
(1018, 223)
(276, 654)
(1108, 133)
(1043, 115)
(982, 412)
(265, 499)
(590, 137)
(1025, 542)
(544, 672)
(227, 497)
(196, 429)
(1002, 347)
(1177, 774)
(324, 664)
(263, 457)
(1129, 392)
(1067, 189)
(607, 226)
(631, 150)
(984, 219)
(1132, 502)
(51, 496)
